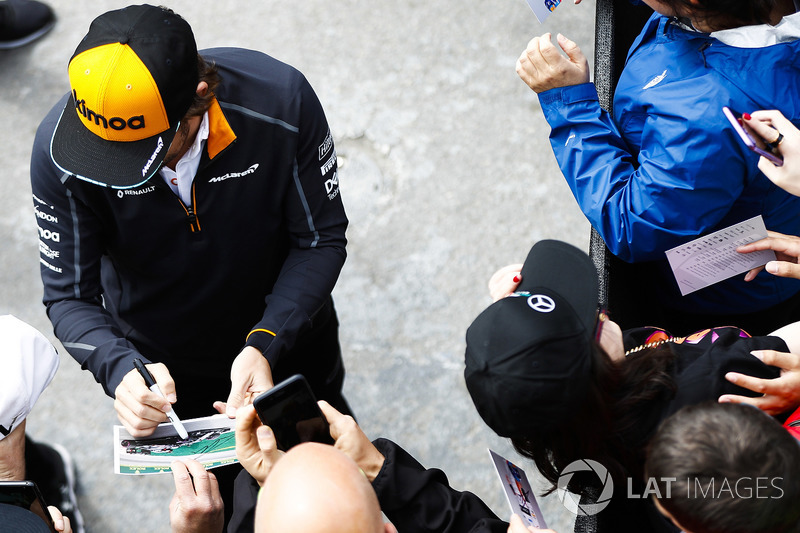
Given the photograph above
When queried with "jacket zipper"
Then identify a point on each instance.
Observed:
(192, 218)
(702, 51)
(194, 222)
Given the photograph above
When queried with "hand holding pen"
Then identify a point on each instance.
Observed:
(150, 381)
(138, 408)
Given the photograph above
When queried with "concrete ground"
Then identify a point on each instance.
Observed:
(446, 173)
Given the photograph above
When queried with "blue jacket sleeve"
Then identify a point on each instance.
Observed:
(316, 221)
(70, 256)
(681, 184)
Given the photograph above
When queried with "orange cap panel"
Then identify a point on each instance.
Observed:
(116, 97)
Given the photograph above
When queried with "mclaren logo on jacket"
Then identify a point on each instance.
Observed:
(230, 175)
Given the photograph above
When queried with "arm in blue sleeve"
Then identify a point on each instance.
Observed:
(680, 184)
(316, 222)
(70, 255)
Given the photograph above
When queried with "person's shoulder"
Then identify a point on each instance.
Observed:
(251, 63)
(258, 82)
(49, 122)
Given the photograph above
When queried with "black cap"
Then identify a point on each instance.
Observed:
(133, 77)
(528, 357)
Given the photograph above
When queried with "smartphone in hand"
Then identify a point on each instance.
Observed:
(291, 411)
(747, 139)
(23, 497)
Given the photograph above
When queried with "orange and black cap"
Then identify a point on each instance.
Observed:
(132, 78)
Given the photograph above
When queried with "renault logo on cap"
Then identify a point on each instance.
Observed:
(541, 303)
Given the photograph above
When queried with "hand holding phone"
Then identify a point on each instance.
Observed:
(291, 411)
(733, 117)
(21, 500)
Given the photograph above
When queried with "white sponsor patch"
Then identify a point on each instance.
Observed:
(153, 157)
(325, 147)
(51, 267)
(332, 186)
(39, 200)
(328, 164)
(48, 235)
(48, 252)
(45, 216)
(230, 175)
(135, 192)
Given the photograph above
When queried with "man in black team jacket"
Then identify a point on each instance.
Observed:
(189, 215)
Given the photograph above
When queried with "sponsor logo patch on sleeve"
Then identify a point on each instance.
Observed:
(326, 145)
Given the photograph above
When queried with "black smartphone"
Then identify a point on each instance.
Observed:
(26, 495)
(291, 411)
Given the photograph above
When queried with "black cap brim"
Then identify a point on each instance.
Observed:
(119, 165)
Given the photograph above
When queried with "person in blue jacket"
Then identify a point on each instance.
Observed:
(666, 167)
(189, 215)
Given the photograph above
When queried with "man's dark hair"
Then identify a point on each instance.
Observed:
(207, 72)
(725, 14)
(735, 470)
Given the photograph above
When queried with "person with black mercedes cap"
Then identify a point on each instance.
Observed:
(548, 369)
(189, 215)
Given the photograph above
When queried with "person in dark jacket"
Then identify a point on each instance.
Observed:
(546, 369)
(189, 215)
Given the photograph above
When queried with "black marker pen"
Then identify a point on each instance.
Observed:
(153, 386)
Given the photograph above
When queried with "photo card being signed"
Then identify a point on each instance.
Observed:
(518, 491)
(543, 8)
(211, 441)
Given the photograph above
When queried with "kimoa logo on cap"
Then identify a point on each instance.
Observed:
(115, 123)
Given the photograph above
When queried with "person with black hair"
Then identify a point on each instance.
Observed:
(562, 381)
(719, 468)
(547, 369)
(666, 167)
